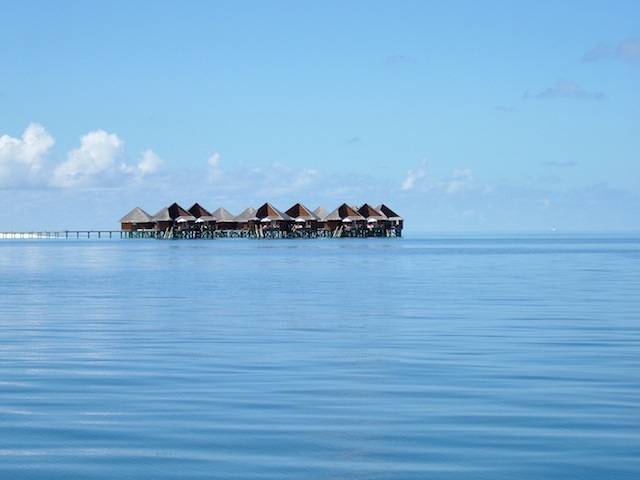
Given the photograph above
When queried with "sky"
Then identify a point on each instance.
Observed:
(462, 116)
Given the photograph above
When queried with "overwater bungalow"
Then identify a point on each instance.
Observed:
(162, 220)
(204, 218)
(372, 216)
(345, 218)
(303, 217)
(181, 217)
(375, 221)
(267, 221)
(224, 219)
(136, 219)
(393, 221)
(321, 213)
(273, 222)
(247, 219)
(173, 217)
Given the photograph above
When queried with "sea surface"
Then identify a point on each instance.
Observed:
(486, 357)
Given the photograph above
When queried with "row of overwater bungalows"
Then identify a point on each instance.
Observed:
(265, 222)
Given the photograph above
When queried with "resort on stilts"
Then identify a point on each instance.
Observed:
(175, 222)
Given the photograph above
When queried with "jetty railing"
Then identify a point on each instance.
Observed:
(65, 234)
(175, 233)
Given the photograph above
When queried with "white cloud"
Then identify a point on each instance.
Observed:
(276, 179)
(272, 181)
(305, 178)
(461, 180)
(22, 161)
(100, 162)
(214, 167)
(99, 159)
(413, 176)
(214, 160)
(149, 163)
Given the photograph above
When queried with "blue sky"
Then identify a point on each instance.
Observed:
(461, 116)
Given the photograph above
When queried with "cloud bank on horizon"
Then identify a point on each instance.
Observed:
(99, 170)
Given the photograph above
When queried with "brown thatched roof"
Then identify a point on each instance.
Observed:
(162, 216)
(321, 213)
(387, 212)
(266, 212)
(137, 215)
(222, 215)
(269, 212)
(299, 211)
(247, 215)
(370, 213)
(344, 212)
(176, 212)
(201, 213)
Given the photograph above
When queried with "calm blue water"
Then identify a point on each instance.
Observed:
(442, 358)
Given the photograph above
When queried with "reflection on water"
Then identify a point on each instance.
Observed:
(492, 357)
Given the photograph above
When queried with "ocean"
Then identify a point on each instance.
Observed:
(439, 357)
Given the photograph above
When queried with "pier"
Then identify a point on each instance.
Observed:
(188, 233)
(66, 234)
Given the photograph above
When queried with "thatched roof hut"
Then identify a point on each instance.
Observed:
(344, 212)
(162, 219)
(371, 215)
(269, 212)
(201, 214)
(169, 216)
(246, 219)
(179, 214)
(162, 215)
(246, 215)
(392, 217)
(136, 219)
(297, 220)
(300, 211)
(303, 216)
(222, 215)
(224, 219)
(345, 215)
(270, 216)
(321, 213)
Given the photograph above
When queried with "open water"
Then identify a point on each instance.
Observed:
(441, 358)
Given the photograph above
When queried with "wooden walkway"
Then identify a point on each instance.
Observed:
(201, 234)
(66, 234)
